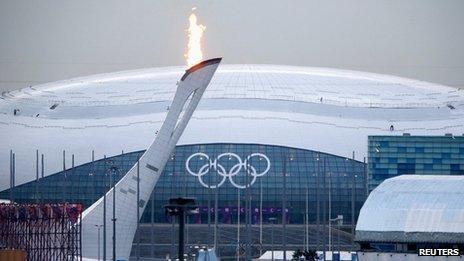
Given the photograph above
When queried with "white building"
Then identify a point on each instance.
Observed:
(409, 212)
(320, 109)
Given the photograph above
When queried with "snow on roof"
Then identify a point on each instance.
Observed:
(414, 208)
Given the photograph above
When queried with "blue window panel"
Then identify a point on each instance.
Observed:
(381, 171)
(455, 167)
(401, 149)
(428, 166)
(419, 149)
(410, 160)
(379, 177)
(384, 144)
(392, 160)
(437, 161)
(446, 155)
(406, 168)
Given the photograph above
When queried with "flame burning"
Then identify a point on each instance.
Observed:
(194, 54)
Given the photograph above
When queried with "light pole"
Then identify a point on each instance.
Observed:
(248, 255)
(272, 220)
(216, 226)
(113, 170)
(318, 205)
(37, 176)
(114, 211)
(353, 198)
(138, 210)
(98, 244)
(261, 217)
(104, 216)
(238, 224)
(181, 207)
(338, 235)
(284, 207)
(330, 211)
(307, 219)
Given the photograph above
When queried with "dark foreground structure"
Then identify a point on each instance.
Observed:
(44, 231)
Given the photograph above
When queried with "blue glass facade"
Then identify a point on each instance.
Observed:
(310, 176)
(390, 156)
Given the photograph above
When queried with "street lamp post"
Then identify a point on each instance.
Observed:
(181, 207)
(238, 224)
(353, 198)
(338, 236)
(104, 216)
(330, 211)
(307, 219)
(113, 170)
(261, 217)
(272, 220)
(284, 208)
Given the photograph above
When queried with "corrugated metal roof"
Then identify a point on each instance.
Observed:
(414, 208)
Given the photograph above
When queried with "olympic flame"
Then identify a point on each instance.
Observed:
(195, 31)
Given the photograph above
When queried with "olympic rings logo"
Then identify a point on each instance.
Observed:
(213, 164)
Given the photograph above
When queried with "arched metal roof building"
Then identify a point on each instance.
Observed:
(319, 109)
(414, 209)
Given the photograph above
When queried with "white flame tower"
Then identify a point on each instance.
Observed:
(189, 92)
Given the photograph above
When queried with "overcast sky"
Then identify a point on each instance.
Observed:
(42, 41)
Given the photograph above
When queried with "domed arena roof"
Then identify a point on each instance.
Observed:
(327, 110)
(148, 90)
(414, 208)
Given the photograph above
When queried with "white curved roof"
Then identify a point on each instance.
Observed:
(143, 91)
(264, 104)
(414, 208)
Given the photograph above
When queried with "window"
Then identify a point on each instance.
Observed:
(428, 166)
(455, 169)
(406, 168)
